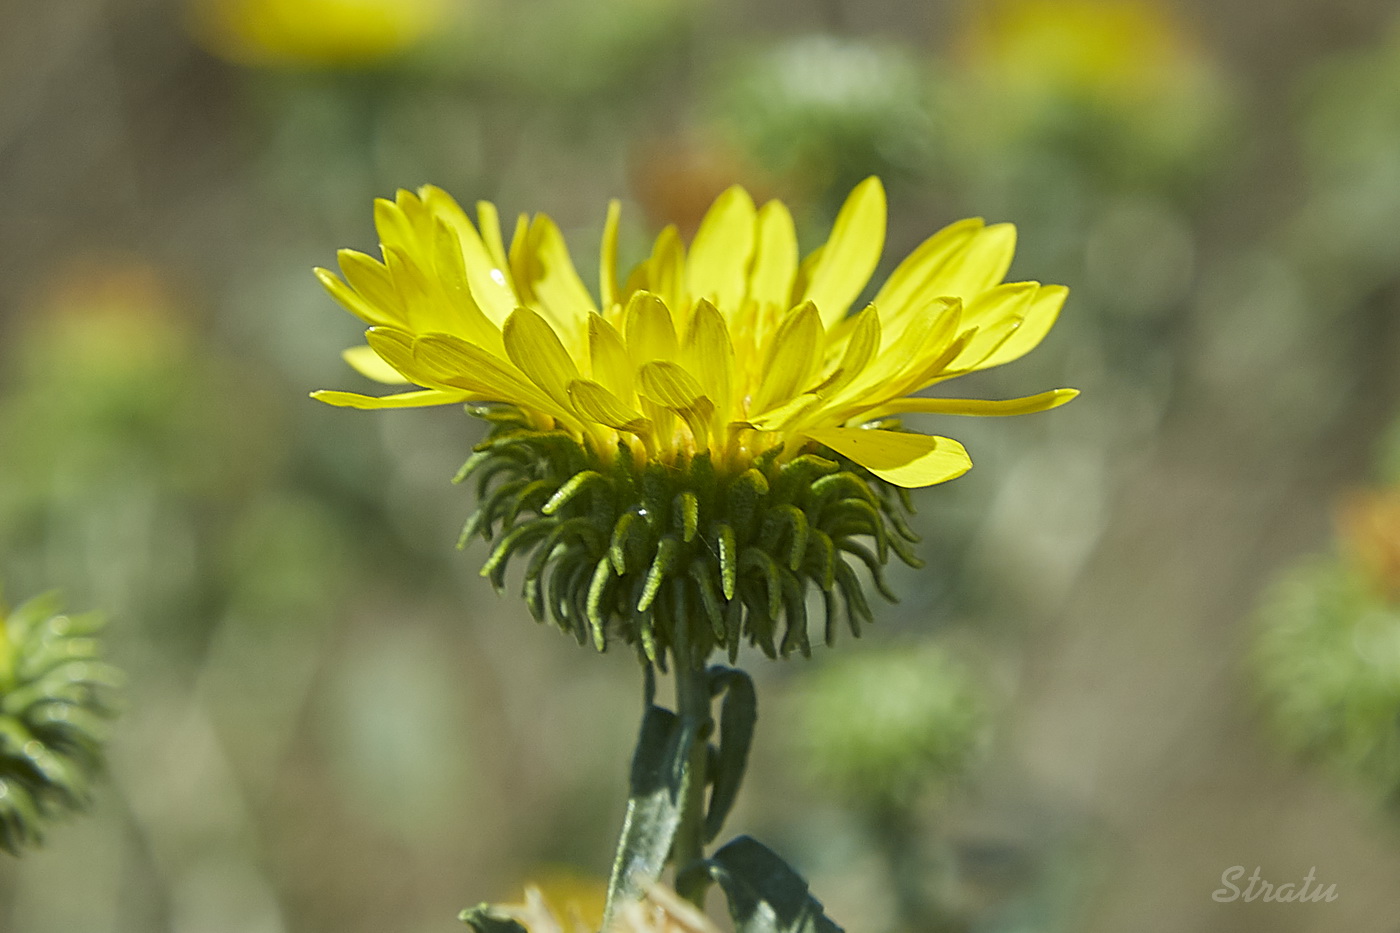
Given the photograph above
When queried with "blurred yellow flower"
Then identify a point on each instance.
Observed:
(577, 898)
(733, 346)
(661, 911)
(1107, 48)
(314, 33)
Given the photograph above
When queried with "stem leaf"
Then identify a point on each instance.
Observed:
(738, 714)
(653, 806)
(483, 920)
(765, 894)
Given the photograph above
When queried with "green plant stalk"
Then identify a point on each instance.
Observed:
(693, 705)
(667, 818)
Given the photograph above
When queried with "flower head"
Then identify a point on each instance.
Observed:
(712, 434)
(314, 33)
(733, 347)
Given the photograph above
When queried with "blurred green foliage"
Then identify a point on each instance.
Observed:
(819, 114)
(880, 727)
(1327, 662)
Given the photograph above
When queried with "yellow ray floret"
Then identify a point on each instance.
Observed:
(734, 346)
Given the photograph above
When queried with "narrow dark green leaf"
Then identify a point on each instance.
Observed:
(737, 716)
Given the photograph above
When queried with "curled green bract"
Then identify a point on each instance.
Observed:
(632, 550)
(55, 698)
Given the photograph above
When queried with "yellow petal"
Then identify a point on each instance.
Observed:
(395, 348)
(402, 400)
(462, 315)
(906, 284)
(371, 365)
(665, 269)
(925, 343)
(894, 371)
(718, 264)
(607, 259)
(490, 223)
(782, 417)
(794, 353)
(1026, 405)
(981, 344)
(448, 263)
(535, 348)
(851, 253)
(455, 362)
(981, 264)
(414, 291)
(928, 371)
(908, 460)
(416, 213)
(519, 255)
(810, 263)
(671, 387)
(553, 280)
(996, 314)
(710, 354)
(1038, 317)
(351, 300)
(371, 279)
(775, 258)
(486, 273)
(392, 226)
(596, 403)
(999, 303)
(861, 345)
(651, 333)
(609, 362)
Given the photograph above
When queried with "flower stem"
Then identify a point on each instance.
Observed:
(667, 808)
(693, 706)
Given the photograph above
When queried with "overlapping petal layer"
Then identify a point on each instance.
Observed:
(734, 346)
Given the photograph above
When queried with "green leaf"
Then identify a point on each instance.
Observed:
(765, 894)
(738, 714)
(482, 920)
(653, 805)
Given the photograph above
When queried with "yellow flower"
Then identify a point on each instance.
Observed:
(314, 32)
(660, 911)
(732, 347)
(1115, 49)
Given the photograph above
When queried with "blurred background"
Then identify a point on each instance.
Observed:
(1158, 635)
